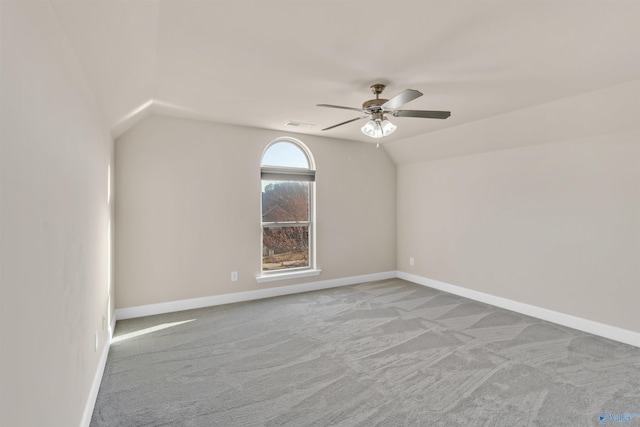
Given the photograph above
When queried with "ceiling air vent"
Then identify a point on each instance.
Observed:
(299, 125)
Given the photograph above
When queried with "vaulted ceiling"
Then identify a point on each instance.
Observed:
(264, 63)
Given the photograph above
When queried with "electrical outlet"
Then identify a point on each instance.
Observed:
(412, 261)
(234, 276)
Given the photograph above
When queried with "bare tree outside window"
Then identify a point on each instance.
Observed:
(286, 244)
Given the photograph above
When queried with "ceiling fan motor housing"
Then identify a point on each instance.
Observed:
(373, 105)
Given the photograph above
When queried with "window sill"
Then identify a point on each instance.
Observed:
(272, 277)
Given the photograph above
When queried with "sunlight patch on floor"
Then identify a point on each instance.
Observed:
(145, 331)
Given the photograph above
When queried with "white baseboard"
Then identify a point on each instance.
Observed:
(611, 332)
(189, 304)
(112, 326)
(97, 378)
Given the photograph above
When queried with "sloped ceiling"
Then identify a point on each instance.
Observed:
(263, 63)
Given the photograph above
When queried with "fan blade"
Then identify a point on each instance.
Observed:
(339, 106)
(422, 113)
(344, 123)
(401, 99)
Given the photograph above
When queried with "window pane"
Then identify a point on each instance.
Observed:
(285, 154)
(285, 247)
(285, 201)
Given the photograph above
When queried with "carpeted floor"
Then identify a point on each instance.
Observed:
(388, 353)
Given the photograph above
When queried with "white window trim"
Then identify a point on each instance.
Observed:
(287, 274)
(301, 174)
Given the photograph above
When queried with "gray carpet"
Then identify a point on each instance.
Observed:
(386, 353)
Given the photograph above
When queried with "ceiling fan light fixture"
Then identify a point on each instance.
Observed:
(371, 129)
(387, 127)
(378, 128)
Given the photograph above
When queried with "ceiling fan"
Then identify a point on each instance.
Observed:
(376, 109)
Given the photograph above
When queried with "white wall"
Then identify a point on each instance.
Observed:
(188, 210)
(554, 224)
(55, 154)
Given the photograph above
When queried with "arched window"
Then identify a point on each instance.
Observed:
(288, 180)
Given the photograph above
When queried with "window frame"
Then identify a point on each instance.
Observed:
(284, 174)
